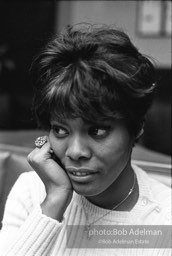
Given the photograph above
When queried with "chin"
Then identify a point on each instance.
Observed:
(86, 191)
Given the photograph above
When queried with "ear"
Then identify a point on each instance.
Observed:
(138, 136)
(140, 133)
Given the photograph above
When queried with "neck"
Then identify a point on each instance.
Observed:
(117, 191)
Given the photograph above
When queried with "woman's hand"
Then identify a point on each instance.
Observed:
(57, 184)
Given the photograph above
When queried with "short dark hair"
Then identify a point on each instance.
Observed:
(93, 72)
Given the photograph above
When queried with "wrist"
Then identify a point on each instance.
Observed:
(54, 205)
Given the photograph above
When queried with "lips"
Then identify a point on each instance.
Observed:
(80, 172)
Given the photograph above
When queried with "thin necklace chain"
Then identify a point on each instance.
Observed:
(88, 225)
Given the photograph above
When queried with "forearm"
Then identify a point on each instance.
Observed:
(33, 237)
(26, 229)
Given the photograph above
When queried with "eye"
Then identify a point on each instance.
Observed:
(99, 132)
(59, 132)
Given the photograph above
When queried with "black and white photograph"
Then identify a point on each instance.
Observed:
(85, 128)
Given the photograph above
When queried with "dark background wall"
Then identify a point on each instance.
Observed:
(157, 134)
(24, 29)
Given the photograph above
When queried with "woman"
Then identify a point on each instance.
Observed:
(93, 91)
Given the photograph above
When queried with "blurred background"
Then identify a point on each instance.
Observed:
(26, 26)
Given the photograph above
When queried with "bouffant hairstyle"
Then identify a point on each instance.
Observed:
(95, 73)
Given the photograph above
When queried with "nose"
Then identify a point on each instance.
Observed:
(78, 149)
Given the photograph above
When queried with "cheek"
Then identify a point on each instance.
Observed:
(115, 148)
(57, 145)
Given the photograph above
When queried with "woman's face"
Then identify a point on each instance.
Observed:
(93, 155)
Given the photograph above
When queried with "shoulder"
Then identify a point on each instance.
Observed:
(155, 198)
(28, 185)
(152, 187)
(159, 192)
(29, 177)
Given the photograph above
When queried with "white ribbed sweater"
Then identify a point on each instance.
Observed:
(27, 232)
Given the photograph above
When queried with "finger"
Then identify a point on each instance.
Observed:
(40, 151)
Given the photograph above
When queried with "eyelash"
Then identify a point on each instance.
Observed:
(55, 128)
(102, 135)
(91, 131)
